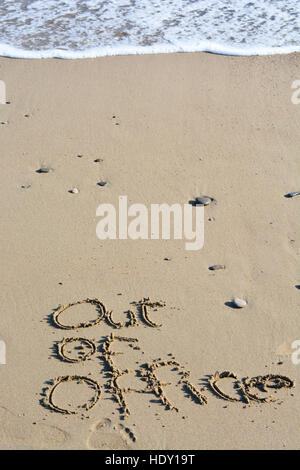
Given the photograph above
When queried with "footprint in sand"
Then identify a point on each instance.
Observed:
(17, 432)
(106, 436)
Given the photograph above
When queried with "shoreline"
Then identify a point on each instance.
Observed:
(94, 53)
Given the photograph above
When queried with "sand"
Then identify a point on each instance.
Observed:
(184, 125)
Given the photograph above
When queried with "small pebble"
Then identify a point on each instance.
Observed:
(102, 183)
(74, 191)
(44, 169)
(216, 267)
(240, 303)
(203, 201)
(294, 193)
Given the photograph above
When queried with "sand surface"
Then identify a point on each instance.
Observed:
(185, 125)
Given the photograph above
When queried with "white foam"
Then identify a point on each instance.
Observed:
(73, 29)
(204, 46)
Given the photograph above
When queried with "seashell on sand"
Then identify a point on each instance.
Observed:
(239, 303)
(74, 191)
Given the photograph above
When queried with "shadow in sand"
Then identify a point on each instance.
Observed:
(231, 305)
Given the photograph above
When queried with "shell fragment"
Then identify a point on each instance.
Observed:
(239, 303)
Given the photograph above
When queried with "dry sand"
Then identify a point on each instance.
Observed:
(188, 125)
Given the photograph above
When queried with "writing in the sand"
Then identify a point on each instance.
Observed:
(247, 390)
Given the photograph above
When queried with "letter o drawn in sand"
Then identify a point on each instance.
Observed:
(99, 306)
(69, 378)
(67, 341)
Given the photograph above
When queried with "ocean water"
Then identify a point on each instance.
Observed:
(91, 28)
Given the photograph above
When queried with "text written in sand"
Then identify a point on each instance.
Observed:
(244, 390)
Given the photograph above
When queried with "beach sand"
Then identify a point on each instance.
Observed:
(168, 128)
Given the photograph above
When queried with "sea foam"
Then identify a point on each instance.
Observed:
(73, 29)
